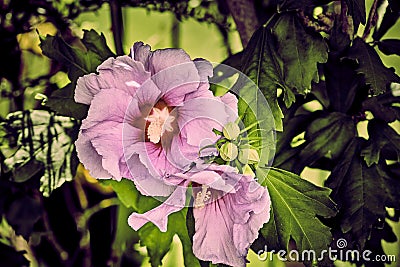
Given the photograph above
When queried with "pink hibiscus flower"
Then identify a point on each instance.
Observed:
(149, 115)
(229, 210)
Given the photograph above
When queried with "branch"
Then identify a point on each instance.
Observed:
(245, 17)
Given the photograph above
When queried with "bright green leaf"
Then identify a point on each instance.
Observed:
(296, 203)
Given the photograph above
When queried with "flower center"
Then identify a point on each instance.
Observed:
(160, 121)
(202, 197)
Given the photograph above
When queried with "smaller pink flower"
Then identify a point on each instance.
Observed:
(229, 210)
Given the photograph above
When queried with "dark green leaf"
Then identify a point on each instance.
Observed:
(261, 64)
(296, 203)
(62, 102)
(76, 60)
(78, 63)
(357, 10)
(22, 214)
(362, 193)
(284, 56)
(380, 135)
(300, 52)
(380, 109)
(96, 43)
(327, 136)
(342, 83)
(390, 46)
(370, 64)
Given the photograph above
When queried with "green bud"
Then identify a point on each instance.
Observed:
(228, 151)
(231, 131)
(248, 156)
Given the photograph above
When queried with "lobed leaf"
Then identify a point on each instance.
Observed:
(296, 206)
(362, 193)
(376, 74)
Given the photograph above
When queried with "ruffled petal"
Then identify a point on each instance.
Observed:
(107, 105)
(86, 88)
(106, 138)
(159, 215)
(204, 68)
(226, 226)
(147, 184)
(141, 52)
(90, 158)
(121, 73)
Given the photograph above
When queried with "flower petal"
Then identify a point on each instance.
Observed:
(225, 227)
(121, 73)
(147, 184)
(199, 116)
(90, 158)
(159, 215)
(107, 105)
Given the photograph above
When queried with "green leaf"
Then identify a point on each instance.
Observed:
(390, 46)
(76, 60)
(381, 135)
(370, 64)
(327, 136)
(283, 56)
(96, 43)
(130, 196)
(62, 102)
(300, 52)
(79, 63)
(296, 203)
(158, 243)
(362, 193)
(263, 67)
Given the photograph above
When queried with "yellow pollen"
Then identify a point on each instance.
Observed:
(160, 121)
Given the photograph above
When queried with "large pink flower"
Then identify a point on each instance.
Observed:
(149, 115)
(229, 210)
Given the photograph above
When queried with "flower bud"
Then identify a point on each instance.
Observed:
(228, 151)
(231, 131)
(248, 156)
